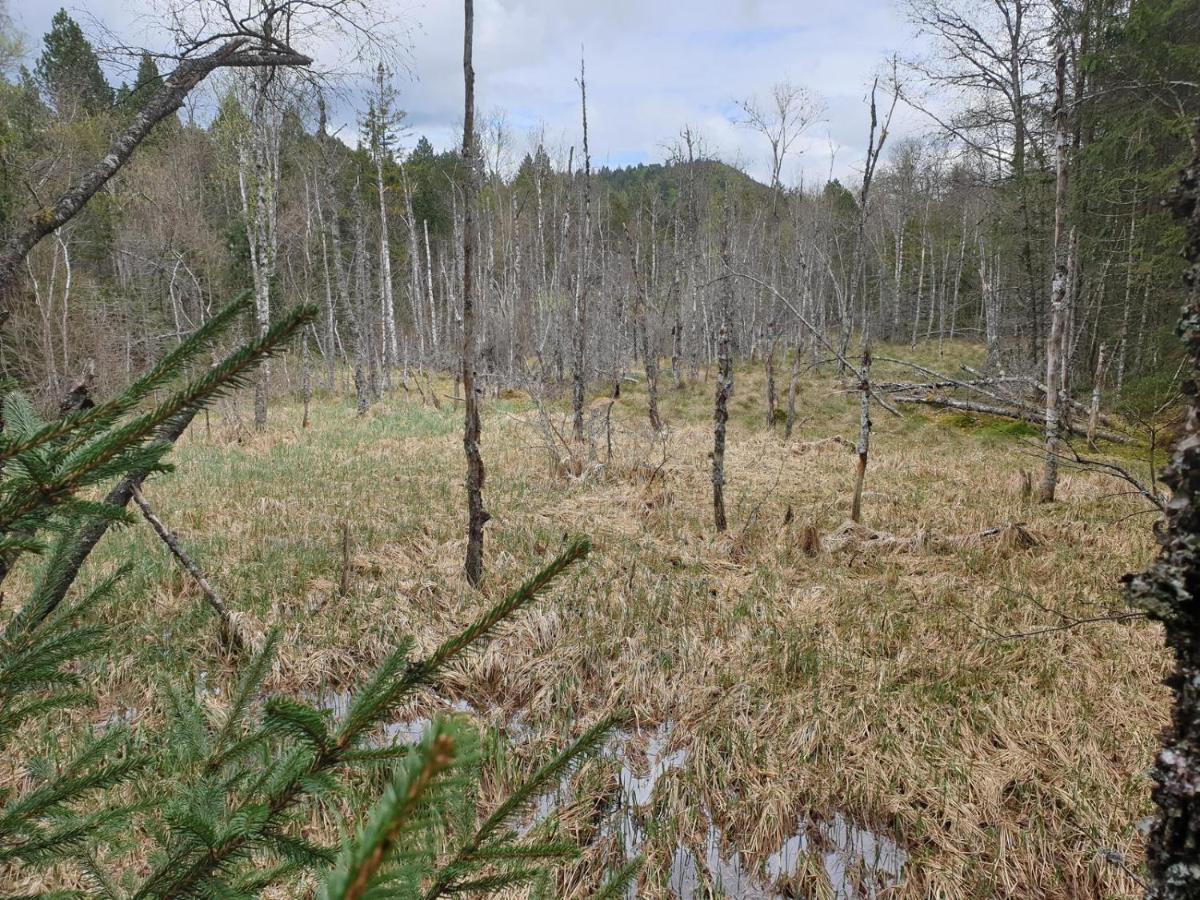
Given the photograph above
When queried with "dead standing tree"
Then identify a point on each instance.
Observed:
(1102, 362)
(864, 433)
(649, 351)
(1168, 592)
(723, 390)
(782, 120)
(579, 373)
(258, 184)
(477, 516)
(874, 149)
(1055, 360)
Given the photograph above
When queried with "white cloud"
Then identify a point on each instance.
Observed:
(652, 67)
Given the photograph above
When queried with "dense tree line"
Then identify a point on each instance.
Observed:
(955, 240)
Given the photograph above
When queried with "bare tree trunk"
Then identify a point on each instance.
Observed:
(649, 351)
(433, 328)
(677, 345)
(793, 386)
(991, 307)
(1139, 342)
(720, 417)
(769, 366)
(260, 162)
(1058, 288)
(1168, 591)
(579, 373)
(962, 253)
(1097, 384)
(358, 316)
(230, 635)
(330, 310)
(898, 273)
(920, 284)
(477, 516)
(414, 263)
(864, 433)
(1123, 336)
(306, 380)
(391, 351)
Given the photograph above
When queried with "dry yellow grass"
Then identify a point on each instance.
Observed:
(863, 681)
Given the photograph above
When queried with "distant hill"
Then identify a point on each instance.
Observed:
(713, 177)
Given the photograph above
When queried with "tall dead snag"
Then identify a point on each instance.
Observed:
(769, 366)
(649, 351)
(720, 417)
(258, 181)
(793, 387)
(864, 433)
(477, 516)
(579, 375)
(1168, 592)
(359, 317)
(724, 388)
(1058, 286)
(1097, 382)
(874, 149)
(381, 119)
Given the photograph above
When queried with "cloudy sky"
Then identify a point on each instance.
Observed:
(652, 67)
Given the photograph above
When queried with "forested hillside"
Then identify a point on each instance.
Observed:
(955, 238)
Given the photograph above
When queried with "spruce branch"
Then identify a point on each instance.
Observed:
(392, 822)
(120, 450)
(87, 422)
(492, 842)
(263, 812)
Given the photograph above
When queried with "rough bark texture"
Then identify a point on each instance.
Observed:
(864, 434)
(476, 515)
(1055, 361)
(1097, 386)
(358, 318)
(723, 390)
(793, 387)
(720, 417)
(260, 202)
(1168, 592)
(769, 366)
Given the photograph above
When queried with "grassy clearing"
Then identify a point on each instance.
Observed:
(866, 682)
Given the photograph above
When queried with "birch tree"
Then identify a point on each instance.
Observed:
(1056, 398)
(381, 122)
(258, 184)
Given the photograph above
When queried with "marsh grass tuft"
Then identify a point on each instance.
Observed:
(803, 680)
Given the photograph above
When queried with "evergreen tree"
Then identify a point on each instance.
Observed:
(69, 70)
(222, 802)
(131, 98)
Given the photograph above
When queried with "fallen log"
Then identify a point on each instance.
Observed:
(1033, 417)
(231, 633)
(1032, 382)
